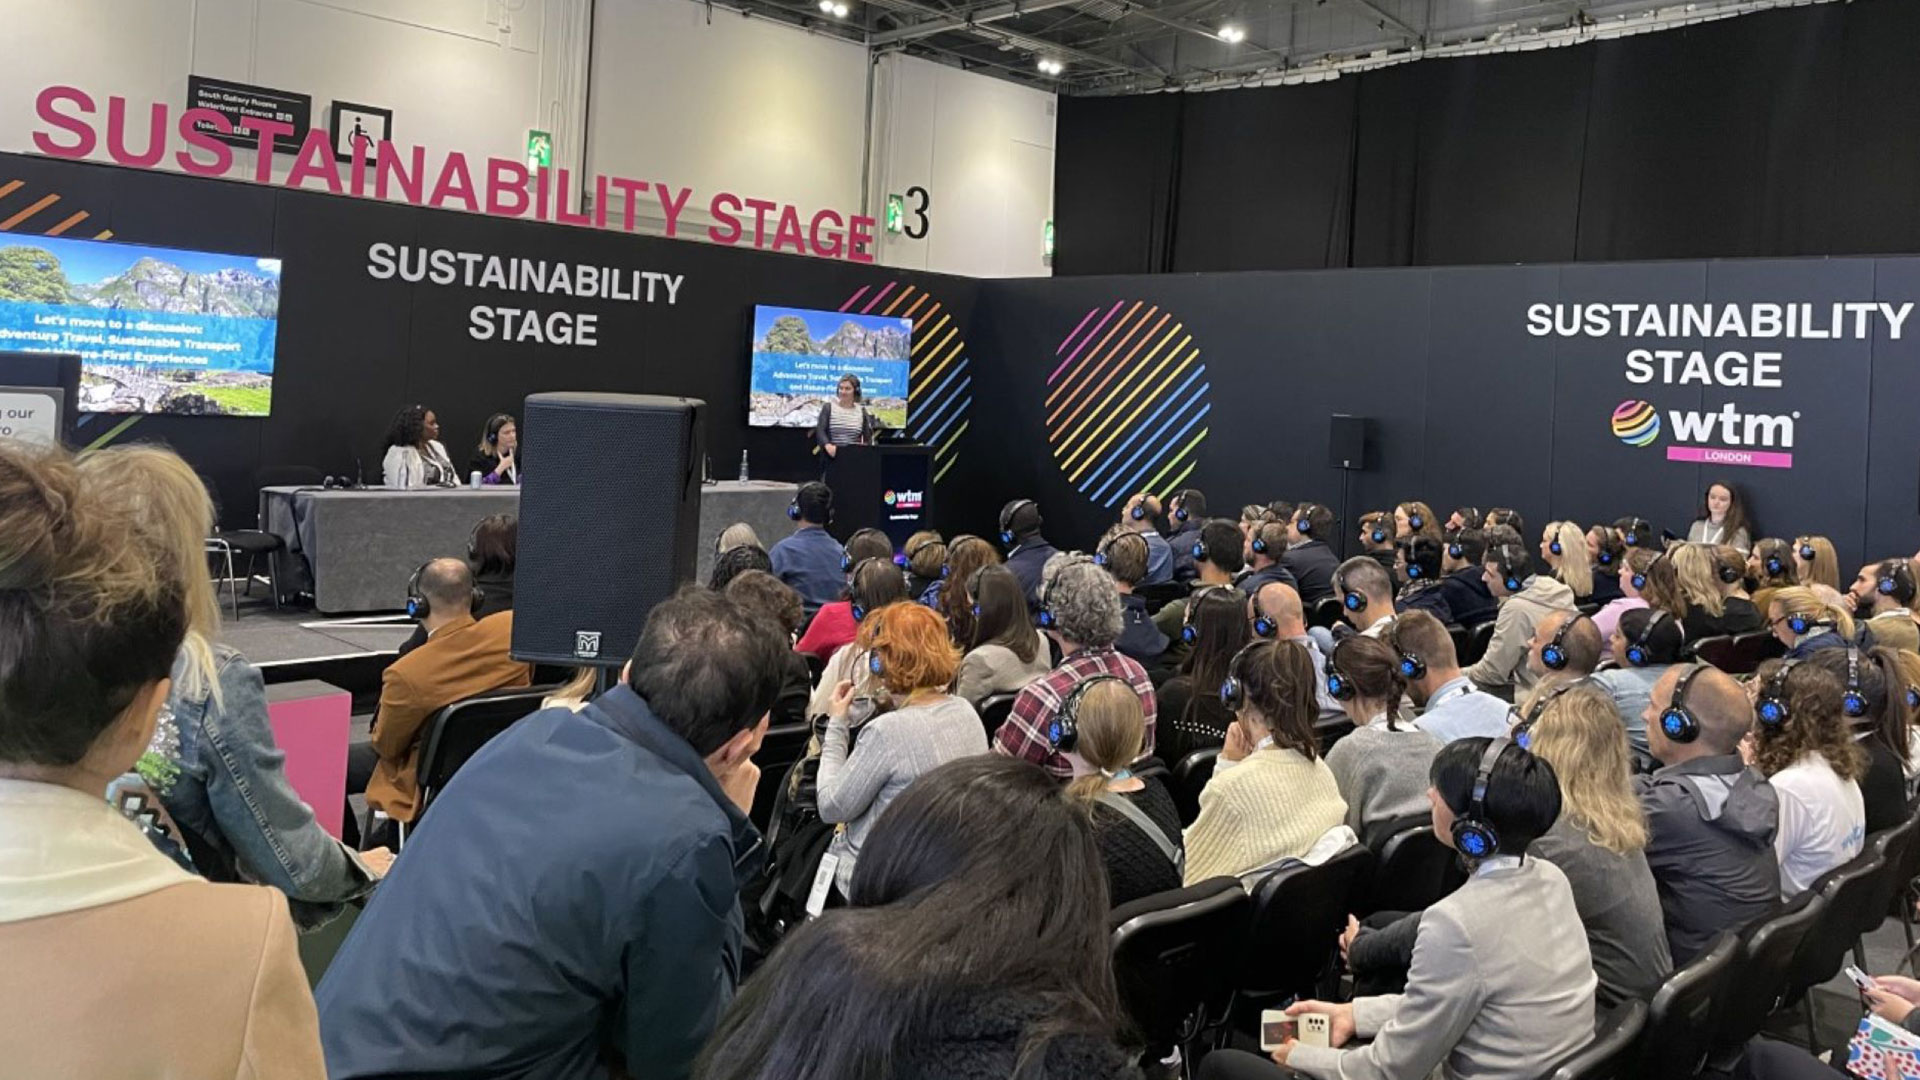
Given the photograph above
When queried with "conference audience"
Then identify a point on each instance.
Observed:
(1266, 545)
(1882, 598)
(497, 458)
(1563, 548)
(1874, 704)
(810, 560)
(1608, 553)
(1080, 612)
(492, 551)
(1415, 519)
(1277, 614)
(908, 652)
(1722, 520)
(975, 943)
(1124, 555)
(1007, 652)
(1633, 566)
(1525, 599)
(836, 622)
(1186, 511)
(1141, 516)
(1645, 645)
(1365, 590)
(1600, 842)
(1481, 1001)
(926, 555)
(767, 596)
(1805, 750)
(1376, 539)
(1565, 648)
(737, 560)
(461, 658)
(1464, 586)
(415, 458)
(1638, 532)
(1309, 558)
(1815, 563)
(1191, 715)
(1506, 518)
(874, 584)
(1028, 552)
(1770, 565)
(1805, 624)
(1451, 708)
(1416, 566)
(1271, 796)
(120, 963)
(1217, 558)
(610, 939)
(1134, 817)
(949, 596)
(1707, 610)
(1381, 766)
(224, 782)
(1711, 819)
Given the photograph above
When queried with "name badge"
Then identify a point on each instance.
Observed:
(822, 882)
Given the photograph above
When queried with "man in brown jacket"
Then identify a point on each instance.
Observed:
(460, 659)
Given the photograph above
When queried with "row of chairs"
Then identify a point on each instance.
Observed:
(1739, 654)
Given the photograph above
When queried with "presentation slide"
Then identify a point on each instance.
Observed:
(158, 330)
(799, 356)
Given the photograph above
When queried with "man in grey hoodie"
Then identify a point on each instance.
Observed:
(1525, 599)
(1710, 818)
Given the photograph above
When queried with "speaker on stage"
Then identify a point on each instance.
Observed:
(1347, 448)
(607, 521)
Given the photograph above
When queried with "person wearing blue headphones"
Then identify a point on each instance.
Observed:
(1525, 599)
(1142, 515)
(1186, 512)
(1416, 566)
(1804, 746)
(1027, 550)
(1465, 583)
(1365, 592)
(1266, 545)
(1882, 596)
(1123, 553)
(1381, 765)
(809, 561)
(1310, 557)
(1646, 642)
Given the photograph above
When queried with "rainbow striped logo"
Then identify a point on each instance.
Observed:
(940, 386)
(1636, 423)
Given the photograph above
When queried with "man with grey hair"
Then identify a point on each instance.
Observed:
(1079, 608)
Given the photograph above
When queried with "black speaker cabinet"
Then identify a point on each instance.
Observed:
(608, 517)
(1347, 448)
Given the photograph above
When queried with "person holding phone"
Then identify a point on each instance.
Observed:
(497, 459)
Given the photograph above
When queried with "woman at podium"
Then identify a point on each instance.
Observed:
(844, 420)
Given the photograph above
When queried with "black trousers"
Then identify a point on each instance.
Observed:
(1240, 1065)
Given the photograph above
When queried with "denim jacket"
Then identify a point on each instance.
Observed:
(245, 822)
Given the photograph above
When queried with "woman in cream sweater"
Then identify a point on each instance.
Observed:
(1271, 796)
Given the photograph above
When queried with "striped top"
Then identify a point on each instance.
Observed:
(844, 425)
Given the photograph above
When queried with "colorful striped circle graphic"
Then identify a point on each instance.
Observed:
(1126, 402)
(1636, 423)
(939, 387)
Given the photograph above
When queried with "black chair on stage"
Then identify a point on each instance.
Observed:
(1720, 651)
(1174, 958)
(458, 731)
(1298, 914)
(225, 545)
(1848, 890)
(994, 710)
(1190, 774)
(1415, 870)
(1325, 613)
(1616, 1039)
(1761, 983)
(1680, 1018)
(1478, 638)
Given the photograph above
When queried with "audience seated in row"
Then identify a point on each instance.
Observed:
(1526, 598)
(762, 593)
(834, 624)
(492, 551)
(1007, 652)
(1464, 585)
(1451, 708)
(1186, 512)
(1134, 817)
(810, 560)
(736, 560)
(926, 556)
(871, 585)
(1416, 566)
(1028, 550)
(1381, 765)
(1265, 546)
(1365, 590)
(950, 596)
(1142, 516)
(1124, 555)
(1276, 613)
(1805, 750)
(1310, 557)
(1633, 564)
(1218, 559)
(1191, 714)
(1645, 644)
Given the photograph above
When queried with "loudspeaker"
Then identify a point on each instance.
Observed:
(1347, 447)
(608, 522)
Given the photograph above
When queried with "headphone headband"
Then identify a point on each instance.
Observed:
(1473, 835)
(1677, 722)
(1063, 732)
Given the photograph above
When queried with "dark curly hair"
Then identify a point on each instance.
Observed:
(409, 427)
(1814, 723)
(736, 561)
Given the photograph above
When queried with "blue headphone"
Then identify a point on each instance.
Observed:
(1043, 618)
(1188, 633)
(1806, 551)
(1264, 626)
(1063, 731)
(1553, 655)
(1007, 516)
(1233, 690)
(1473, 835)
(1775, 568)
(1637, 653)
(1639, 580)
(1554, 546)
(1180, 509)
(1455, 551)
(1913, 697)
(1773, 711)
(1413, 569)
(1379, 533)
(1351, 600)
(1853, 702)
(1339, 687)
(1416, 521)
(1677, 722)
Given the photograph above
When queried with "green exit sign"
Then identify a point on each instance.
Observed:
(896, 213)
(539, 149)
(1046, 240)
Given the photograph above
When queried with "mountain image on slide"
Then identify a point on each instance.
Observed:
(153, 285)
(788, 336)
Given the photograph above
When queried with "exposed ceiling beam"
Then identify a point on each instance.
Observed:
(1094, 60)
(963, 19)
(1389, 19)
(1201, 29)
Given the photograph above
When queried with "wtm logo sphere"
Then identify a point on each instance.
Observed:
(1636, 423)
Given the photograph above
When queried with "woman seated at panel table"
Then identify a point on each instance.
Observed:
(415, 458)
(497, 459)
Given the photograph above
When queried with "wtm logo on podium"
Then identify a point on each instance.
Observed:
(904, 500)
(1740, 435)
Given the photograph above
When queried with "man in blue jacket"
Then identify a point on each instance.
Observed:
(569, 910)
(1027, 550)
(809, 561)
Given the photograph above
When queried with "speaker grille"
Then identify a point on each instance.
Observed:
(608, 516)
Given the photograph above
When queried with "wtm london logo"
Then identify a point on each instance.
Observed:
(1745, 438)
(904, 500)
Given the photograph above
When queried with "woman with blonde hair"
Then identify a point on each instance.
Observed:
(214, 766)
(905, 648)
(1804, 623)
(925, 555)
(120, 963)
(1710, 612)
(1808, 754)
(1814, 562)
(1134, 817)
(1564, 547)
(1601, 838)
(1771, 567)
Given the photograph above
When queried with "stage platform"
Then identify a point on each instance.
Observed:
(290, 644)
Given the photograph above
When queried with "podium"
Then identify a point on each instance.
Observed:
(887, 487)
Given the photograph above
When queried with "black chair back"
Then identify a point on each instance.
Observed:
(1298, 914)
(459, 730)
(1325, 613)
(1478, 638)
(1766, 960)
(1680, 1018)
(994, 710)
(1415, 870)
(1720, 651)
(1849, 890)
(1190, 774)
(1615, 1040)
(1589, 609)
(1757, 648)
(1895, 848)
(1175, 954)
(1159, 596)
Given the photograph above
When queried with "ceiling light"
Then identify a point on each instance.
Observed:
(1232, 34)
(1050, 66)
(839, 11)
(826, 7)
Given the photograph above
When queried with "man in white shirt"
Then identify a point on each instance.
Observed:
(1453, 709)
(1365, 591)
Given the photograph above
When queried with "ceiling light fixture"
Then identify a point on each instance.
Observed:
(1050, 66)
(834, 8)
(1232, 34)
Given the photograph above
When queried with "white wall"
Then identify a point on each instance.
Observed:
(747, 106)
(983, 150)
(465, 75)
